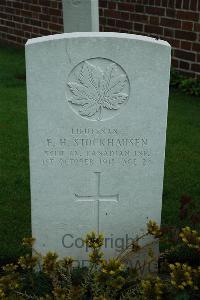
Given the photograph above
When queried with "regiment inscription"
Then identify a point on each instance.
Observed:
(105, 146)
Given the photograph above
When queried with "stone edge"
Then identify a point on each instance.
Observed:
(97, 35)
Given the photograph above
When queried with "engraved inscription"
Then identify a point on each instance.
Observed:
(98, 198)
(100, 147)
(97, 89)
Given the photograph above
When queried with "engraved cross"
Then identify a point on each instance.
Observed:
(98, 197)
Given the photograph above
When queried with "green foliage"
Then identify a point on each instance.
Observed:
(175, 78)
(56, 279)
(12, 67)
(189, 213)
(190, 86)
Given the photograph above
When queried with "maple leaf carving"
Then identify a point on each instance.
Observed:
(95, 90)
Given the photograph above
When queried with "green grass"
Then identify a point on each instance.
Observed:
(182, 166)
(14, 167)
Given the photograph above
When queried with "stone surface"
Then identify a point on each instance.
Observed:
(80, 15)
(97, 110)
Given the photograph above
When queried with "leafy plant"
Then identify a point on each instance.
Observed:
(47, 277)
(190, 86)
(175, 78)
(189, 213)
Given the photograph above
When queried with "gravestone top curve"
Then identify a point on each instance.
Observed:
(97, 34)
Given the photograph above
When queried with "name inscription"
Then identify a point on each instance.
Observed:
(97, 147)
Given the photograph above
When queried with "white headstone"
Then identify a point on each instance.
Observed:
(80, 15)
(97, 110)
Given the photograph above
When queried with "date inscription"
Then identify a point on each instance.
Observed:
(97, 147)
